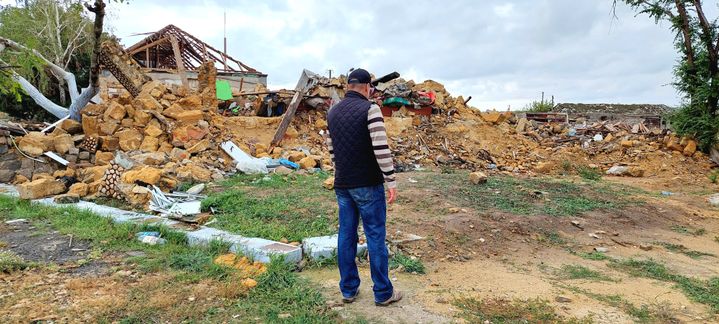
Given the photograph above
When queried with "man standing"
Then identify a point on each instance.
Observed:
(363, 163)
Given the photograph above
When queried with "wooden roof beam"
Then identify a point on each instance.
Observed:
(157, 42)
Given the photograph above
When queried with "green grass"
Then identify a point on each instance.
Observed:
(594, 256)
(529, 196)
(498, 311)
(409, 264)
(714, 176)
(274, 207)
(688, 230)
(552, 238)
(678, 248)
(10, 262)
(701, 291)
(642, 314)
(581, 272)
(280, 290)
(589, 173)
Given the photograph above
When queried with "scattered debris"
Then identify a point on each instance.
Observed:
(16, 221)
(175, 205)
(245, 162)
(601, 249)
(563, 299)
(646, 247)
(196, 189)
(714, 200)
(329, 184)
(477, 178)
(620, 170)
(151, 238)
(577, 224)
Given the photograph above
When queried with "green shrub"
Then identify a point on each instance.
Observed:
(10, 262)
(539, 106)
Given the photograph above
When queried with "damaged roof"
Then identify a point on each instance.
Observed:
(156, 51)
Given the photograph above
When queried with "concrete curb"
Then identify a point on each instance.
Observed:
(256, 248)
(323, 247)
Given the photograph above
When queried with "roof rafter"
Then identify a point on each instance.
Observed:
(194, 52)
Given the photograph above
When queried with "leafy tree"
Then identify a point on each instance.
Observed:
(697, 71)
(58, 29)
(33, 60)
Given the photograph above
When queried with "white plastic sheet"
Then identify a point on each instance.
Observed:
(245, 163)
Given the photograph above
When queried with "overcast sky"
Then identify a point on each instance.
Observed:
(499, 52)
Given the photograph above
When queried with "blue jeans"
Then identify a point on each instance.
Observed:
(368, 203)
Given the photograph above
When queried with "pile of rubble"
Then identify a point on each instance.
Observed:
(166, 136)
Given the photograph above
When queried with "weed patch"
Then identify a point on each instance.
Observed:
(589, 173)
(581, 272)
(475, 310)
(687, 230)
(551, 238)
(10, 262)
(701, 291)
(714, 176)
(408, 264)
(643, 313)
(678, 248)
(594, 256)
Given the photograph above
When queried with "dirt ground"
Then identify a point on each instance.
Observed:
(493, 254)
(482, 253)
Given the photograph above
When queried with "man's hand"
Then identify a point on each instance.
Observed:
(392, 195)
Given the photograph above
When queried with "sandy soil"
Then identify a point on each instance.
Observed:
(500, 255)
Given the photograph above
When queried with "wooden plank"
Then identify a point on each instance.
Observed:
(164, 39)
(305, 82)
(179, 62)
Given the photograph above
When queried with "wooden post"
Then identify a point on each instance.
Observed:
(242, 82)
(179, 62)
(157, 57)
(147, 58)
(304, 84)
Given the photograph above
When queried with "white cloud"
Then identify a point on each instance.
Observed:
(499, 52)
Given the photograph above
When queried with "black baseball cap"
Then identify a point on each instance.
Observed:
(359, 76)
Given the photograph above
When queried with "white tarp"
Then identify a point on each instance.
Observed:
(245, 162)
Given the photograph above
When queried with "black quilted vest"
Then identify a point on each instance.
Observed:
(355, 163)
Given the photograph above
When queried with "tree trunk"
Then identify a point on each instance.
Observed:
(39, 98)
(88, 93)
(61, 92)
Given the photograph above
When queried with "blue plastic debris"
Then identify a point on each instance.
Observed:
(289, 164)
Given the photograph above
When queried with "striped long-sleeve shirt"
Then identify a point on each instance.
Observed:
(380, 146)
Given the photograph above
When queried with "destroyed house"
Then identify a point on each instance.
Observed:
(632, 113)
(158, 55)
